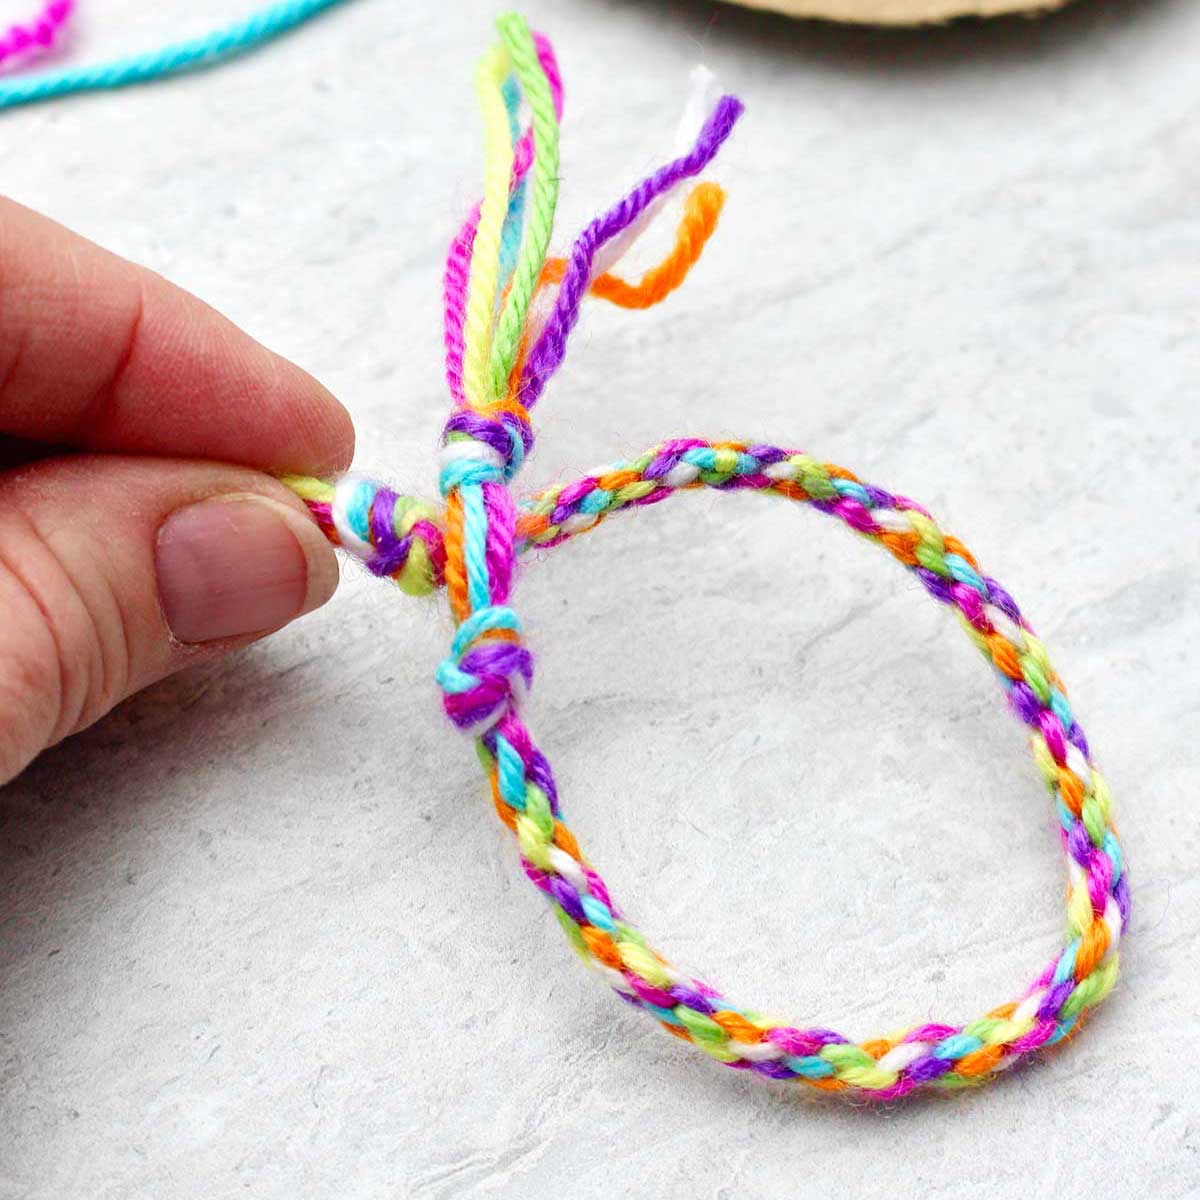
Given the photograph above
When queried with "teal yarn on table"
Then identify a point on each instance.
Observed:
(192, 53)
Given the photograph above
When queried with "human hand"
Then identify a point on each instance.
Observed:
(141, 530)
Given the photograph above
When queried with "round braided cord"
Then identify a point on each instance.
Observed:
(509, 313)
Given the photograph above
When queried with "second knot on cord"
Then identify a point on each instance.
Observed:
(488, 670)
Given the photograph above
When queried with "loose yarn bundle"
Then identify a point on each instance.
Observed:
(509, 310)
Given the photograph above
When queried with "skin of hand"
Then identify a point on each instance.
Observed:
(141, 527)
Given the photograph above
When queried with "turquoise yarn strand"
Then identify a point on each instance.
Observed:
(194, 53)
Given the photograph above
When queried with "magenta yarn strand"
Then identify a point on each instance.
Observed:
(23, 39)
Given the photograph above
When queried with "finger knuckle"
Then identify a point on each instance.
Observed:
(63, 657)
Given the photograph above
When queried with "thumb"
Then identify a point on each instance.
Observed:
(117, 571)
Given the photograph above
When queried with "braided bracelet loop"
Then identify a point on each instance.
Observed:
(523, 789)
(509, 312)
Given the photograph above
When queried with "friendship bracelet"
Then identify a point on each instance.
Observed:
(509, 311)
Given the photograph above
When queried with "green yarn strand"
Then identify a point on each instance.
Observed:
(543, 201)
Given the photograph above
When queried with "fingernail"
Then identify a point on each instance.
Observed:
(238, 565)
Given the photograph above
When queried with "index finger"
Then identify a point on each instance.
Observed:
(102, 355)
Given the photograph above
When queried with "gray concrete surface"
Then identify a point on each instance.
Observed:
(261, 934)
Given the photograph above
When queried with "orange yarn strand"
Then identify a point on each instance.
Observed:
(701, 211)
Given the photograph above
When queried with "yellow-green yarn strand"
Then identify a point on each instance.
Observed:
(319, 491)
(485, 260)
(539, 218)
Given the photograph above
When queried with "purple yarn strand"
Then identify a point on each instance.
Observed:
(551, 347)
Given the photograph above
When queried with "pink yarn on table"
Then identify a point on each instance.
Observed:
(37, 34)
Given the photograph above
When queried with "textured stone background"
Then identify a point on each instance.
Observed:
(261, 935)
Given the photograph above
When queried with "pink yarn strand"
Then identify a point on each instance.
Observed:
(37, 35)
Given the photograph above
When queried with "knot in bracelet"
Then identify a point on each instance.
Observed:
(508, 313)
